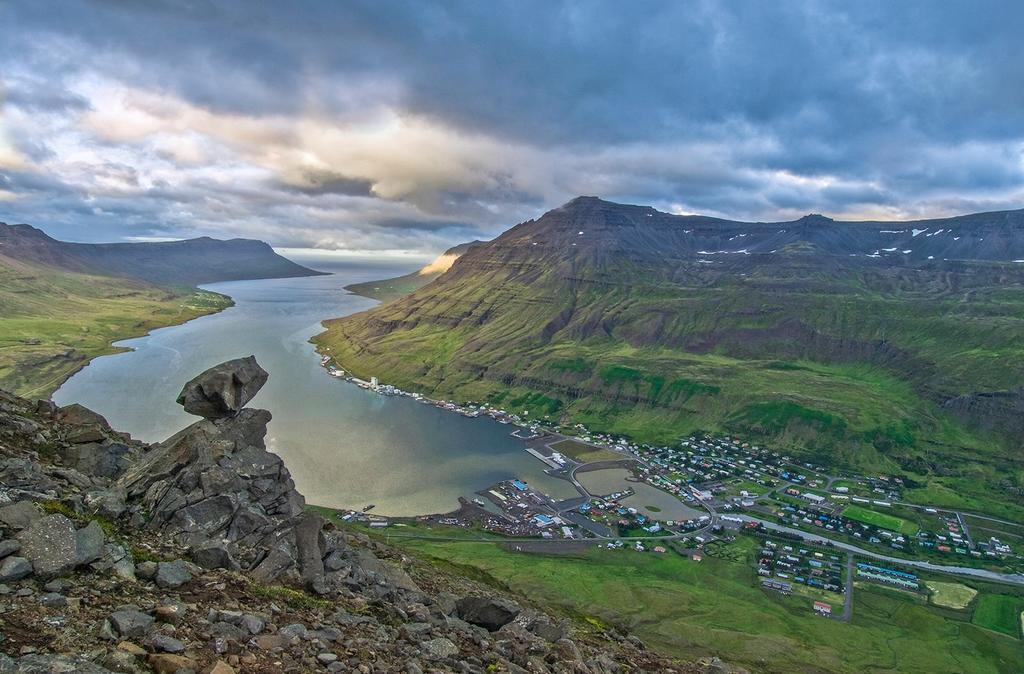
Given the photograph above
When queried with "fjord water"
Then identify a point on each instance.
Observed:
(345, 447)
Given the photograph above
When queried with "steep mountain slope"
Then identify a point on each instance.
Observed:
(189, 262)
(386, 290)
(842, 339)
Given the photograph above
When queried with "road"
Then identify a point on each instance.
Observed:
(848, 594)
(1009, 578)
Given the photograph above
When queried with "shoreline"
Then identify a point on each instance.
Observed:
(538, 430)
(47, 389)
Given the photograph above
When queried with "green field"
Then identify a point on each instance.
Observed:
(717, 607)
(951, 595)
(1000, 613)
(52, 322)
(890, 522)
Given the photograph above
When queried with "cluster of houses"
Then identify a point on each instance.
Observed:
(868, 533)
(885, 575)
(788, 563)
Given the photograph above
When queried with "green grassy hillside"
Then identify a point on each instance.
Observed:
(717, 607)
(854, 361)
(53, 321)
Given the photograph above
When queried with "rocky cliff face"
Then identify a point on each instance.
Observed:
(196, 554)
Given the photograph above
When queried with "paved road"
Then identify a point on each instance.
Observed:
(848, 599)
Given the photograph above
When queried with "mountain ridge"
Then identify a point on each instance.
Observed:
(185, 262)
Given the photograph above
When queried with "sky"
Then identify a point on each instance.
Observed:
(382, 127)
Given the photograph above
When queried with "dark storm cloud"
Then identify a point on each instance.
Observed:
(323, 123)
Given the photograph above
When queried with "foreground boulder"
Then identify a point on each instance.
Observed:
(54, 547)
(223, 390)
(490, 613)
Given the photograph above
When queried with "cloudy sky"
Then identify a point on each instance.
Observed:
(408, 126)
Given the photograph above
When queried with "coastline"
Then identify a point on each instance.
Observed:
(48, 388)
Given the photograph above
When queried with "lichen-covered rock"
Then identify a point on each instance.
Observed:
(223, 390)
(50, 543)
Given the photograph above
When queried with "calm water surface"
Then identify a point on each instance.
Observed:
(344, 446)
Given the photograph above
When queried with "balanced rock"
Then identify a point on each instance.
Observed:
(224, 389)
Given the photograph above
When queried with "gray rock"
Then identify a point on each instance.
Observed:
(38, 663)
(51, 544)
(309, 543)
(253, 624)
(109, 503)
(14, 568)
(79, 415)
(224, 389)
(206, 516)
(9, 547)
(326, 658)
(293, 631)
(172, 574)
(213, 555)
(277, 561)
(335, 561)
(487, 612)
(129, 623)
(166, 644)
(58, 585)
(19, 515)
(124, 568)
(438, 649)
(106, 458)
(146, 570)
(228, 631)
(53, 600)
(328, 633)
(547, 630)
(89, 543)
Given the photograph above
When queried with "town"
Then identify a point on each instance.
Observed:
(812, 525)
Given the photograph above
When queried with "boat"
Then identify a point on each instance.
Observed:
(369, 507)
